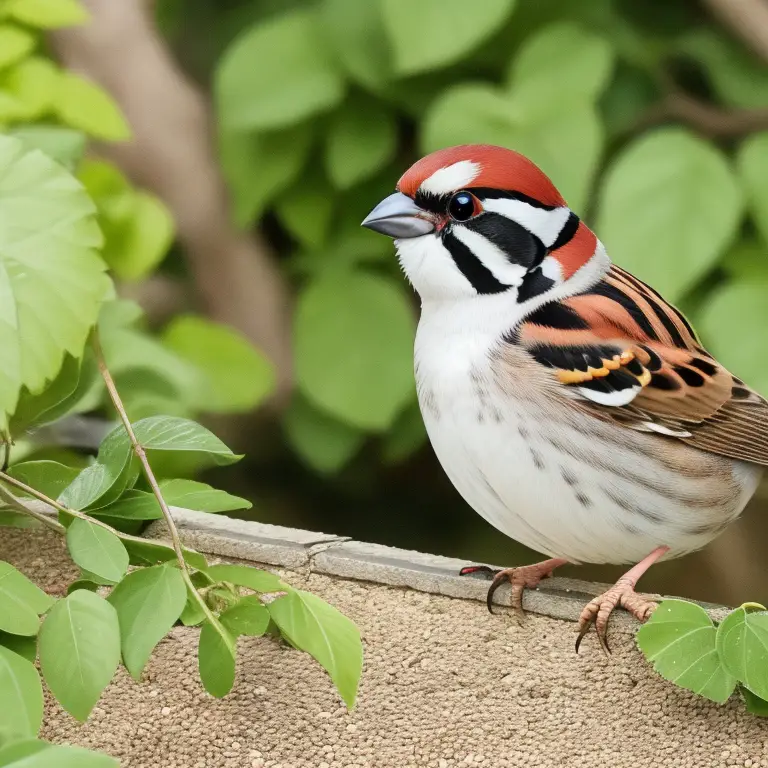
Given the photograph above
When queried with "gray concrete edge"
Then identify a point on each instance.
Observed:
(311, 552)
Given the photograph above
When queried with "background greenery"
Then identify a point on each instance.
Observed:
(645, 114)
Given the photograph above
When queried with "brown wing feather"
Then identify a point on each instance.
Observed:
(636, 360)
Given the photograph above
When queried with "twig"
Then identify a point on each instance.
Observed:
(141, 453)
(748, 19)
(172, 154)
(19, 506)
(710, 120)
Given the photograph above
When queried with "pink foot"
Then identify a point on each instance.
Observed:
(621, 594)
(521, 578)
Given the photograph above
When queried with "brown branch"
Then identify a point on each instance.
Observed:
(708, 119)
(747, 19)
(172, 155)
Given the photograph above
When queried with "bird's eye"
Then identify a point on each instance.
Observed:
(463, 206)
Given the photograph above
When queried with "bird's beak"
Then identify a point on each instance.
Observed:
(399, 217)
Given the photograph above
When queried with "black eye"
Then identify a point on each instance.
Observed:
(462, 206)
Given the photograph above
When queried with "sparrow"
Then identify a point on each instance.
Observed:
(570, 405)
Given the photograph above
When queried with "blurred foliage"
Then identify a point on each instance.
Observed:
(323, 104)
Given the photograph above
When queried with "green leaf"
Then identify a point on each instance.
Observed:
(325, 443)
(41, 754)
(91, 586)
(248, 617)
(143, 239)
(406, 436)
(236, 377)
(188, 494)
(51, 278)
(26, 647)
(21, 697)
(742, 644)
(193, 614)
(562, 64)
(567, 146)
(65, 145)
(79, 650)
(306, 210)
(250, 95)
(216, 660)
(87, 106)
(434, 33)
(669, 205)
(33, 82)
(148, 603)
(312, 625)
(152, 552)
(258, 167)
(355, 31)
(354, 348)
(361, 139)
(679, 640)
(48, 477)
(737, 75)
(247, 576)
(20, 602)
(732, 307)
(752, 164)
(755, 705)
(47, 14)
(97, 550)
(747, 260)
(15, 44)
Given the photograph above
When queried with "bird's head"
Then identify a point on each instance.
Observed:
(476, 219)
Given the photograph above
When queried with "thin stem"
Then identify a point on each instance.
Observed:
(20, 506)
(138, 449)
(6, 450)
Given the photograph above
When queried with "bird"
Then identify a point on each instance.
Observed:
(570, 405)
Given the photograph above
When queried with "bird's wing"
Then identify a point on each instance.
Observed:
(630, 357)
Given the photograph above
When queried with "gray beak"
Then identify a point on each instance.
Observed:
(399, 217)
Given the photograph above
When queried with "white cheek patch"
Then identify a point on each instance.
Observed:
(431, 269)
(491, 256)
(451, 178)
(545, 224)
(550, 267)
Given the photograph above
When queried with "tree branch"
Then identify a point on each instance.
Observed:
(709, 120)
(172, 154)
(747, 19)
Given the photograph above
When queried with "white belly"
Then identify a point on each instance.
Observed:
(562, 487)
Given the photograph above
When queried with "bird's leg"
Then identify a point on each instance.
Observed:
(522, 577)
(623, 594)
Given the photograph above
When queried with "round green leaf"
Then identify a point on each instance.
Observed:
(679, 640)
(306, 209)
(216, 660)
(248, 617)
(148, 602)
(65, 145)
(87, 106)
(236, 377)
(354, 348)
(41, 754)
(304, 81)
(721, 322)
(48, 477)
(247, 576)
(561, 64)
(47, 14)
(79, 650)
(312, 625)
(26, 647)
(752, 163)
(355, 31)
(430, 34)
(51, 278)
(20, 602)
(742, 643)
(567, 146)
(325, 443)
(669, 205)
(361, 139)
(33, 82)
(97, 550)
(21, 697)
(258, 166)
(15, 44)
